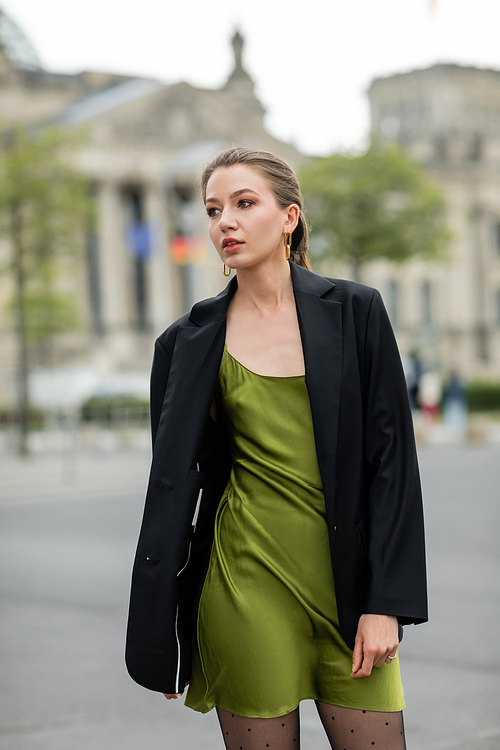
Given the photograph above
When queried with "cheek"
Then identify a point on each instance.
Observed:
(212, 232)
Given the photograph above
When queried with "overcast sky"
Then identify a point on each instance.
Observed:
(312, 61)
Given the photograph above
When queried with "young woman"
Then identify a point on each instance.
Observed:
(282, 544)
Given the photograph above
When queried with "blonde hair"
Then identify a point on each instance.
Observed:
(282, 181)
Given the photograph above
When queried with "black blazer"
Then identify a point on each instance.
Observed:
(366, 454)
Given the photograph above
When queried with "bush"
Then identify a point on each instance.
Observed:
(483, 395)
(109, 409)
(9, 416)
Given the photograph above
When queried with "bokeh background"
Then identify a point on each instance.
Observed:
(390, 112)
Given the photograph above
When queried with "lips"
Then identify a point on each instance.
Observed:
(231, 243)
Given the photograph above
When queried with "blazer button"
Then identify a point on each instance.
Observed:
(335, 528)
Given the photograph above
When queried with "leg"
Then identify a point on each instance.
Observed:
(354, 729)
(240, 733)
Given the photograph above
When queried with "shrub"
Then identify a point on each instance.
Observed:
(483, 395)
(106, 409)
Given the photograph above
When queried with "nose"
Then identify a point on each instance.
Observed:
(227, 219)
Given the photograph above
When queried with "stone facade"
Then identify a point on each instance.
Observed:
(148, 258)
(448, 118)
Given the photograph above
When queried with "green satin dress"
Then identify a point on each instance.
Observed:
(267, 632)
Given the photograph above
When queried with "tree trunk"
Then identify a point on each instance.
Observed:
(21, 332)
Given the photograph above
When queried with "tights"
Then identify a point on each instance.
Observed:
(346, 729)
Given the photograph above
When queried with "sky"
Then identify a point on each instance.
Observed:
(312, 61)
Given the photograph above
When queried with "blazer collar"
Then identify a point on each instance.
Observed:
(215, 308)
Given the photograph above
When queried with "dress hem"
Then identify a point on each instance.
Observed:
(287, 711)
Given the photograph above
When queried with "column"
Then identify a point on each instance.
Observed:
(114, 270)
(161, 308)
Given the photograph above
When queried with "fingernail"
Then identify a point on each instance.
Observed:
(353, 667)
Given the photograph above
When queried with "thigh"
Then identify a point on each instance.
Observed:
(278, 733)
(355, 729)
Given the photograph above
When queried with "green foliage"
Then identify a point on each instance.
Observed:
(44, 206)
(380, 204)
(106, 409)
(35, 418)
(47, 312)
(483, 395)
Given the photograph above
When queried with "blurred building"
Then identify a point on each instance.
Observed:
(448, 117)
(147, 259)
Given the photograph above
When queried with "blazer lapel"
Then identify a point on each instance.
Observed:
(320, 323)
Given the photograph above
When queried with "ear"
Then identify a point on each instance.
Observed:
(292, 214)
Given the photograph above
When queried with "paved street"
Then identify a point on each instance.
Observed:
(68, 529)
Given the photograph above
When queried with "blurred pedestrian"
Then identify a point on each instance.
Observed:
(282, 543)
(414, 373)
(455, 405)
(429, 395)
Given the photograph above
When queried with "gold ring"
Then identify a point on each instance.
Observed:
(392, 657)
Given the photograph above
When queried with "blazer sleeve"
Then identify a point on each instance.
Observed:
(396, 545)
(158, 385)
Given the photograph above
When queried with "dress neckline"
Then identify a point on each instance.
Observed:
(257, 374)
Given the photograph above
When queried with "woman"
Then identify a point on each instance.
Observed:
(282, 543)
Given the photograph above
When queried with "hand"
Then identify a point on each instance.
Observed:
(169, 696)
(376, 641)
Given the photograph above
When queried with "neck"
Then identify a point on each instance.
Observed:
(265, 286)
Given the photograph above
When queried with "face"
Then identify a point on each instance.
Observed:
(246, 224)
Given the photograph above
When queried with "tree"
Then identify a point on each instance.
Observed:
(44, 204)
(380, 204)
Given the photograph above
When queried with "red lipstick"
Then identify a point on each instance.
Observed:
(231, 243)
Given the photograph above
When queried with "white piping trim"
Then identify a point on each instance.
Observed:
(178, 653)
(198, 503)
(197, 509)
(185, 564)
(193, 523)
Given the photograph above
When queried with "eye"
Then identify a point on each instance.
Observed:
(212, 212)
(245, 203)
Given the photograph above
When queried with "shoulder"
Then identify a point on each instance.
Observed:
(341, 290)
(202, 313)
(354, 293)
(164, 344)
(365, 306)
(362, 306)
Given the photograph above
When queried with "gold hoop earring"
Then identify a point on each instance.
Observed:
(224, 269)
(287, 239)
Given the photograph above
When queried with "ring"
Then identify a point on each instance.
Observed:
(392, 657)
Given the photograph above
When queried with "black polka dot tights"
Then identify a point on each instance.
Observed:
(346, 729)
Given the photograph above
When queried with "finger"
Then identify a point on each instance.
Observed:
(357, 655)
(382, 656)
(390, 658)
(367, 663)
(381, 659)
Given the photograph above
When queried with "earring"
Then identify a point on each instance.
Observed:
(287, 239)
(224, 269)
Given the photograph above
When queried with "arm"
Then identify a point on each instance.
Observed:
(395, 524)
(158, 385)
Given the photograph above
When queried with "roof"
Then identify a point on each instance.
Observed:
(105, 100)
(16, 45)
(447, 67)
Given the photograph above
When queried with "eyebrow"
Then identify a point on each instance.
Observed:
(234, 195)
